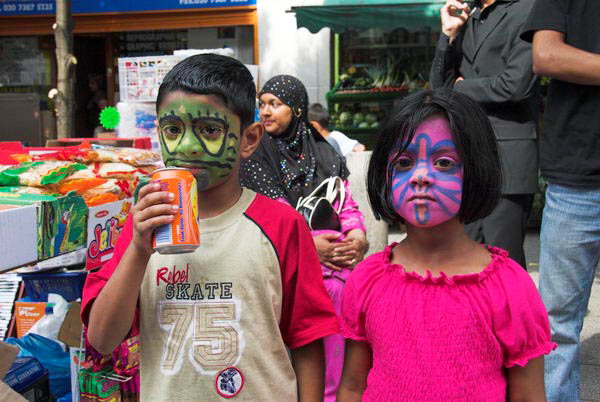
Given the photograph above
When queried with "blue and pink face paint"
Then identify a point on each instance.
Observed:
(427, 179)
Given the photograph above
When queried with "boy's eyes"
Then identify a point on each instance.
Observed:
(210, 131)
(172, 131)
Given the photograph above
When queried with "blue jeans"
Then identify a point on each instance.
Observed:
(570, 249)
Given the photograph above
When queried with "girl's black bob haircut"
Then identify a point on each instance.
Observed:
(473, 137)
(212, 74)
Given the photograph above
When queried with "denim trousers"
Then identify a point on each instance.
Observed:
(569, 253)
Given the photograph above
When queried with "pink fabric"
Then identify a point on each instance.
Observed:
(444, 338)
(350, 218)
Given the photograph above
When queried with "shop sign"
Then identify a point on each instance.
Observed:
(35, 7)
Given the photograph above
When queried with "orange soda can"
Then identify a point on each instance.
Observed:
(182, 235)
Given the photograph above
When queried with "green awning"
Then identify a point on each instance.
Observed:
(340, 15)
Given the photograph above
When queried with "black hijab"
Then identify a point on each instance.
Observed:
(293, 163)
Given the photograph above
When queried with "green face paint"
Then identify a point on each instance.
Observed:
(199, 136)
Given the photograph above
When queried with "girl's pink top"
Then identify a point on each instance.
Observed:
(444, 338)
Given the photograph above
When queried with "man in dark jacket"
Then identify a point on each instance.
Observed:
(481, 55)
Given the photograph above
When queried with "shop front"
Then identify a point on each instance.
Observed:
(381, 50)
(103, 33)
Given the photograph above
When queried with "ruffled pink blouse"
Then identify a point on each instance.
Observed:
(444, 338)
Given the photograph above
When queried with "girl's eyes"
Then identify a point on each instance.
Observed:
(404, 163)
(444, 164)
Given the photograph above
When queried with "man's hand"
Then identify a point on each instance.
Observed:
(454, 15)
(359, 148)
(459, 79)
(153, 209)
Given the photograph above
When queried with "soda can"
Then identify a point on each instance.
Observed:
(182, 235)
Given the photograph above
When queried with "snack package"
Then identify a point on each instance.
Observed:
(80, 185)
(112, 170)
(95, 200)
(132, 156)
(38, 174)
(29, 190)
(73, 154)
(111, 190)
(116, 170)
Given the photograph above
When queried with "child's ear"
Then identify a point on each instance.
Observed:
(251, 139)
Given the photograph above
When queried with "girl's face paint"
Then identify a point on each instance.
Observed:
(199, 133)
(427, 178)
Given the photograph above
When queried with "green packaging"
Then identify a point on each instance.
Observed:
(62, 221)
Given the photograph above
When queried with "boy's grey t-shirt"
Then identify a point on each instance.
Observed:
(213, 322)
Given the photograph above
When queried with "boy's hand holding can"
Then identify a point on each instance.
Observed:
(154, 208)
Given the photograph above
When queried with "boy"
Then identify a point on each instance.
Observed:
(216, 322)
(319, 118)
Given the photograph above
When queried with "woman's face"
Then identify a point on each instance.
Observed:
(275, 115)
(427, 179)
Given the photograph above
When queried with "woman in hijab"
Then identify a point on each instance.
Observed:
(292, 160)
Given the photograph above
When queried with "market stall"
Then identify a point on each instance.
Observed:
(381, 51)
(62, 209)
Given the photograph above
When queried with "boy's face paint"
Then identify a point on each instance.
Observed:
(199, 134)
(427, 178)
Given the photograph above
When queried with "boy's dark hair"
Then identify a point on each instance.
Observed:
(472, 135)
(318, 113)
(212, 74)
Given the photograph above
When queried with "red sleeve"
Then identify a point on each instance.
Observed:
(307, 311)
(96, 280)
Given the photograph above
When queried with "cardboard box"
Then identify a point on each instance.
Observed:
(71, 328)
(61, 221)
(28, 313)
(8, 354)
(18, 235)
(8, 394)
(105, 224)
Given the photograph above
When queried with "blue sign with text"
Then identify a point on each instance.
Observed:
(33, 7)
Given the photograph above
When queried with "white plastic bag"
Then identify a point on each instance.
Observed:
(49, 325)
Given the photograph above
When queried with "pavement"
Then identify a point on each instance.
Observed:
(590, 335)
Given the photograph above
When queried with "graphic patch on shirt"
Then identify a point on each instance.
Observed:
(229, 382)
(201, 322)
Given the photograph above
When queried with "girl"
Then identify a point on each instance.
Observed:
(438, 317)
(291, 161)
